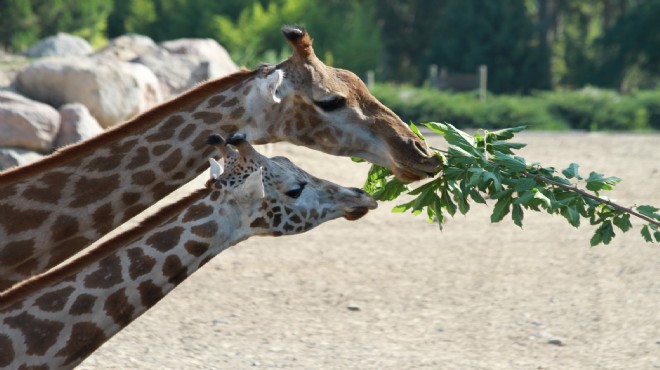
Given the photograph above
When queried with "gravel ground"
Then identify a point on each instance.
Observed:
(392, 292)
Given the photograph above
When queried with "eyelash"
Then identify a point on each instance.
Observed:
(295, 193)
(331, 104)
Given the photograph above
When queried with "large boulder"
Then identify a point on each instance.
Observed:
(127, 47)
(110, 89)
(207, 50)
(27, 124)
(61, 44)
(76, 124)
(183, 63)
(12, 157)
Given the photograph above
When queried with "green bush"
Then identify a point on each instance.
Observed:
(464, 110)
(596, 109)
(586, 109)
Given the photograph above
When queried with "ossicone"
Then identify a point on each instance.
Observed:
(299, 39)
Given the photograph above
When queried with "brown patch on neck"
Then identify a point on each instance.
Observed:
(192, 97)
(33, 285)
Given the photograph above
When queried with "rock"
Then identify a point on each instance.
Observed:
(176, 73)
(207, 50)
(148, 84)
(127, 47)
(353, 307)
(113, 91)
(12, 157)
(76, 124)
(556, 342)
(61, 44)
(27, 124)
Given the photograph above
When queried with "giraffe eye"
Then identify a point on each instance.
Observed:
(296, 191)
(332, 103)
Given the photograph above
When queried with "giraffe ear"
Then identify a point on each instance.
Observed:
(216, 168)
(253, 187)
(271, 86)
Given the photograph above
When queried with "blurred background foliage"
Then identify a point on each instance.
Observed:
(558, 54)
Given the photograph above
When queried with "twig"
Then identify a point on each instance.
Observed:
(582, 193)
(591, 196)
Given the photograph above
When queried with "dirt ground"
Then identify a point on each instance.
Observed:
(392, 292)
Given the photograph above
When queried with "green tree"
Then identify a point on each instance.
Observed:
(498, 34)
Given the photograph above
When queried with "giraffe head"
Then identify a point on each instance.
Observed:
(275, 196)
(331, 110)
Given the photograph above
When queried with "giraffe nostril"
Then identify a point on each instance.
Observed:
(421, 148)
(358, 191)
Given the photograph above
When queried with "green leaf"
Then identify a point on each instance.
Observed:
(649, 211)
(439, 128)
(524, 184)
(415, 130)
(500, 210)
(603, 234)
(646, 234)
(517, 214)
(476, 196)
(572, 171)
(505, 147)
(525, 197)
(545, 200)
(596, 182)
(623, 222)
(514, 164)
(572, 216)
(357, 159)
(489, 176)
(507, 133)
(447, 203)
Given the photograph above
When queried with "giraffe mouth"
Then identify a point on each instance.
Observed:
(356, 213)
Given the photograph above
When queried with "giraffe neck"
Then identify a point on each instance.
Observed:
(53, 209)
(60, 317)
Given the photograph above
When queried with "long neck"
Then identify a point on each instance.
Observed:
(60, 317)
(51, 210)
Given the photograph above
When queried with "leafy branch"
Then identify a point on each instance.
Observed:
(484, 166)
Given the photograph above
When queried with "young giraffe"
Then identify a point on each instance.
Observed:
(54, 208)
(56, 319)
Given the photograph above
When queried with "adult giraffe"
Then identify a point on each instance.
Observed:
(55, 320)
(54, 208)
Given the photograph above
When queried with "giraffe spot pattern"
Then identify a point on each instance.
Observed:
(39, 334)
(174, 270)
(196, 248)
(161, 189)
(85, 338)
(118, 308)
(66, 249)
(208, 117)
(42, 192)
(150, 293)
(130, 198)
(166, 131)
(16, 252)
(165, 240)
(7, 351)
(260, 222)
(89, 190)
(237, 113)
(17, 220)
(7, 191)
(187, 131)
(140, 264)
(145, 177)
(230, 103)
(34, 367)
(172, 161)
(216, 100)
(63, 227)
(107, 275)
(103, 164)
(83, 304)
(54, 301)
(140, 159)
(196, 212)
(160, 149)
(205, 230)
(132, 211)
(103, 217)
